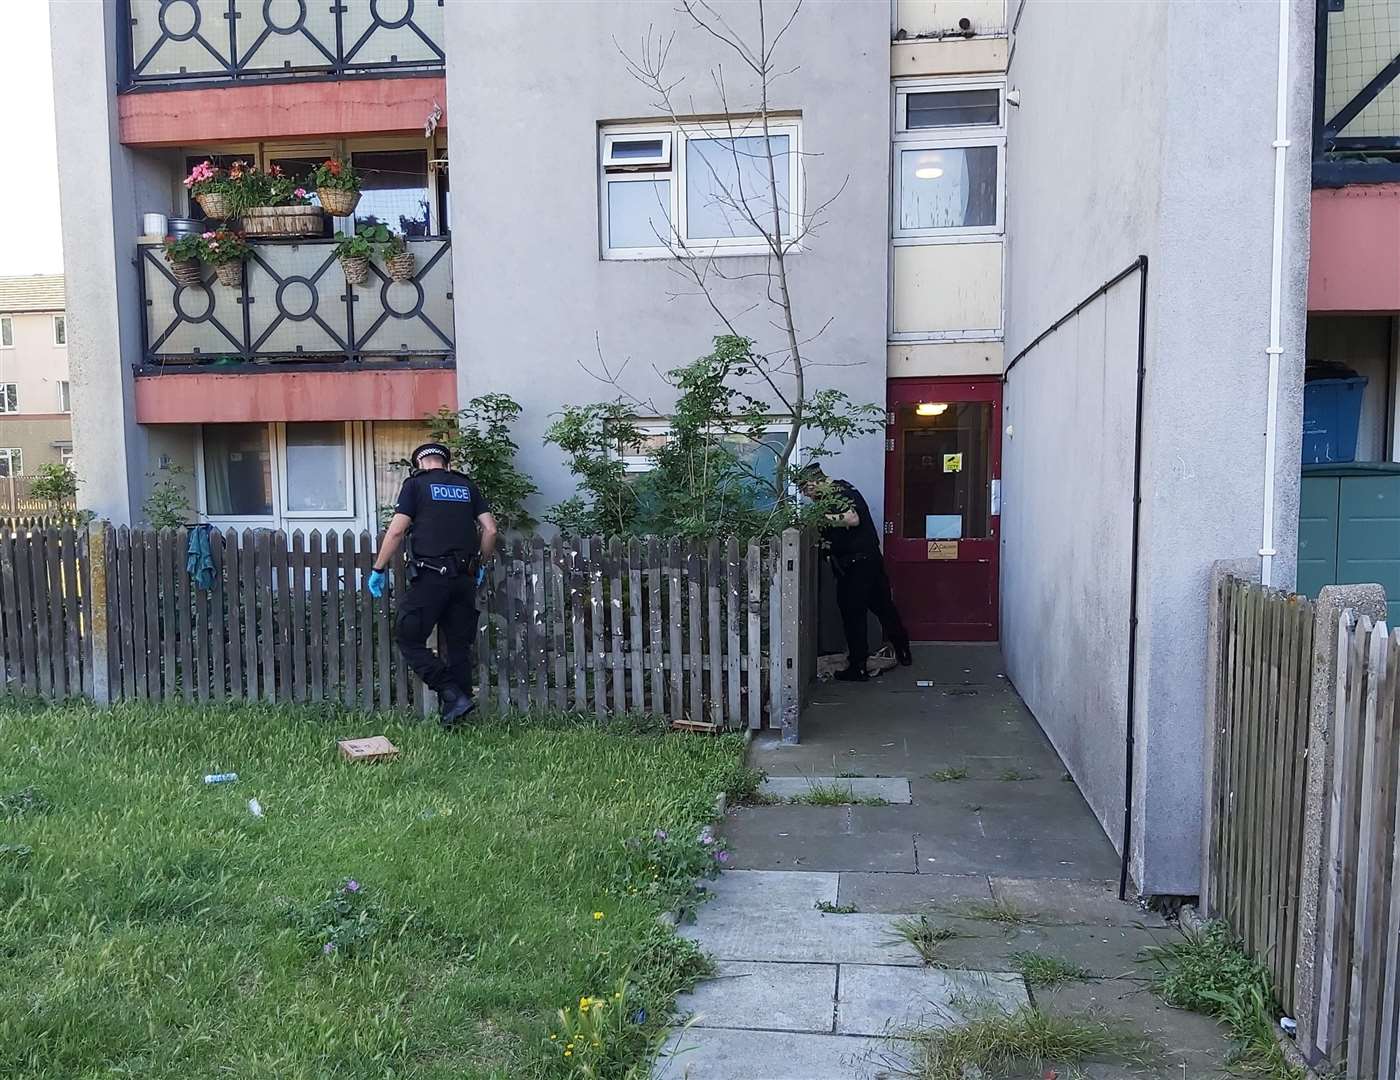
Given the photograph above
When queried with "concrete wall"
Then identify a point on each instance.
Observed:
(1138, 124)
(35, 365)
(535, 304)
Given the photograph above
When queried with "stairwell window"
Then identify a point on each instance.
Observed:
(7, 332)
(9, 397)
(949, 156)
(60, 330)
(65, 397)
(698, 189)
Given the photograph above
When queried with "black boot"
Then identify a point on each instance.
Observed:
(904, 654)
(454, 706)
(852, 674)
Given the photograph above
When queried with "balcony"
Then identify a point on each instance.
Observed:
(294, 312)
(201, 43)
(1356, 111)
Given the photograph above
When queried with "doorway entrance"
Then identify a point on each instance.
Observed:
(943, 505)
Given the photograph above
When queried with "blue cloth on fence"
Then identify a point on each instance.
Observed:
(199, 562)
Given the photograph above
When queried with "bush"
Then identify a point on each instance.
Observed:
(168, 504)
(55, 483)
(479, 438)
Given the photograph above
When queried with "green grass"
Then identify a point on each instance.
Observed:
(835, 795)
(1028, 1039)
(1206, 971)
(1046, 969)
(1015, 775)
(945, 775)
(927, 939)
(998, 911)
(826, 907)
(147, 931)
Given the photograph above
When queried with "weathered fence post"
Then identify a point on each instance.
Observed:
(1365, 600)
(97, 628)
(788, 635)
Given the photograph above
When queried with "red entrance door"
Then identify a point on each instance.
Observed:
(942, 505)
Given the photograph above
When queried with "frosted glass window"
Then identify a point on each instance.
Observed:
(726, 177)
(316, 469)
(639, 213)
(948, 188)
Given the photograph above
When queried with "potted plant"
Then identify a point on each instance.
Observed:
(337, 186)
(225, 250)
(355, 251)
(183, 255)
(214, 189)
(273, 204)
(398, 260)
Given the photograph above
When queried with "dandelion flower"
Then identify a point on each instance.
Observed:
(597, 916)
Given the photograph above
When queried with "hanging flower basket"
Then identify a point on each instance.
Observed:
(338, 202)
(216, 204)
(229, 273)
(282, 221)
(187, 271)
(356, 269)
(402, 266)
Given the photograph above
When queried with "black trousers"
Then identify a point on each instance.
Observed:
(448, 603)
(862, 585)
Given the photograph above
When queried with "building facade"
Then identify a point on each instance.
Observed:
(959, 175)
(35, 413)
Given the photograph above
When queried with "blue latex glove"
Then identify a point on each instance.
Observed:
(480, 576)
(376, 583)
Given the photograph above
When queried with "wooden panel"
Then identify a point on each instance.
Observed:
(218, 621)
(558, 622)
(183, 614)
(232, 583)
(656, 650)
(134, 610)
(635, 641)
(734, 587)
(349, 663)
(364, 562)
(247, 584)
(296, 617)
(72, 611)
(755, 636)
(596, 614)
(675, 616)
(315, 617)
(617, 662)
(334, 637)
(266, 625)
(694, 647)
(714, 635)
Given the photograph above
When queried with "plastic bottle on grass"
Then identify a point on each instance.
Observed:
(221, 778)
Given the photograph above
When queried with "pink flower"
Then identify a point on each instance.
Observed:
(300, 193)
(207, 236)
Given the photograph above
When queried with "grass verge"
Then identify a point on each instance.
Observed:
(1046, 970)
(1206, 971)
(155, 927)
(999, 1043)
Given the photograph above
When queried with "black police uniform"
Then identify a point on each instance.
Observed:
(861, 582)
(444, 553)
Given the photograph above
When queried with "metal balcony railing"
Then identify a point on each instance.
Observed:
(1356, 95)
(175, 43)
(294, 308)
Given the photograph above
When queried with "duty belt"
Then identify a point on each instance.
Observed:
(450, 565)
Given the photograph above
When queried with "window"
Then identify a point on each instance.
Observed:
(394, 191)
(697, 188)
(760, 458)
(317, 471)
(60, 330)
(11, 461)
(7, 332)
(65, 455)
(9, 397)
(237, 470)
(949, 152)
(65, 400)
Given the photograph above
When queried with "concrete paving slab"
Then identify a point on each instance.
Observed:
(892, 789)
(899, 1001)
(910, 893)
(1064, 901)
(1091, 856)
(1104, 951)
(813, 838)
(769, 890)
(802, 936)
(727, 1054)
(774, 997)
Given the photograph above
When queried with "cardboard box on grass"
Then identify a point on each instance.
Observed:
(375, 748)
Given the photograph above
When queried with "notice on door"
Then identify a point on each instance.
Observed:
(952, 463)
(943, 549)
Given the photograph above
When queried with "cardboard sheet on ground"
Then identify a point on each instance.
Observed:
(375, 748)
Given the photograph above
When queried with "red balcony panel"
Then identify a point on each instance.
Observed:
(410, 394)
(286, 110)
(1355, 261)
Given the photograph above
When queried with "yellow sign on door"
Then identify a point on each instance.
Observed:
(952, 463)
(943, 549)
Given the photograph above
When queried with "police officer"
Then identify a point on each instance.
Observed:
(853, 549)
(450, 530)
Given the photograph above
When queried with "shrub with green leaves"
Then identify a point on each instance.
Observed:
(479, 437)
(55, 483)
(341, 924)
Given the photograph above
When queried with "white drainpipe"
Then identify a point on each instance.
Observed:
(1275, 349)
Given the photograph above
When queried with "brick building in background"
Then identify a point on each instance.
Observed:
(35, 422)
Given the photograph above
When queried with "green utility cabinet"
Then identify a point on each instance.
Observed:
(1349, 528)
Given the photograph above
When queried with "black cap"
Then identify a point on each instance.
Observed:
(431, 449)
(810, 473)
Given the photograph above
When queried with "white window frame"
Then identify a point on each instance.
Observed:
(7, 322)
(5, 398)
(279, 456)
(946, 138)
(202, 494)
(680, 135)
(65, 396)
(662, 160)
(65, 454)
(60, 319)
(11, 455)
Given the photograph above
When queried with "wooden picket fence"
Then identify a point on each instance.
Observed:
(1301, 841)
(711, 634)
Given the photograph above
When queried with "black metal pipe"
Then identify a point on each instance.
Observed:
(1138, 265)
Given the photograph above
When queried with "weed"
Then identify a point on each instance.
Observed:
(944, 775)
(744, 784)
(928, 940)
(848, 775)
(996, 1044)
(998, 911)
(29, 800)
(1206, 971)
(835, 795)
(342, 923)
(1014, 775)
(1044, 969)
(826, 907)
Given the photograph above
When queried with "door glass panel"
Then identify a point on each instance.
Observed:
(943, 470)
(316, 468)
(237, 470)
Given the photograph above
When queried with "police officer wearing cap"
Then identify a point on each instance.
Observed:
(450, 530)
